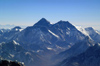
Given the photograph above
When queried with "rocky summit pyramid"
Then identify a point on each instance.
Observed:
(42, 22)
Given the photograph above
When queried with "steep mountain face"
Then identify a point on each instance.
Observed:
(91, 57)
(46, 36)
(67, 33)
(75, 50)
(13, 51)
(43, 22)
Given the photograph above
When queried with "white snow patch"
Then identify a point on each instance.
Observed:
(39, 50)
(67, 33)
(53, 34)
(49, 48)
(49, 42)
(27, 53)
(20, 30)
(69, 46)
(16, 29)
(22, 63)
(2, 31)
(59, 47)
(16, 42)
(68, 28)
(98, 44)
(12, 55)
(98, 32)
(42, 37)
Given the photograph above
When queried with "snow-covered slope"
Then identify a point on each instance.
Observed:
(92, 33)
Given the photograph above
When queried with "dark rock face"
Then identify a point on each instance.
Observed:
(10, 63)
(43, 22)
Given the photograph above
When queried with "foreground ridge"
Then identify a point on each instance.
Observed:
(10, 63)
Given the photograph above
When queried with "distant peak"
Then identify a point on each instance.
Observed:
(42, 22)
(90, 28)
(16, 28)
(43, 19)
(66, 24)
(63, 21)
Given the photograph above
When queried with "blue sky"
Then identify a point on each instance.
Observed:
(27, 12)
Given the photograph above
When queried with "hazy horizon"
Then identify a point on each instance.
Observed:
(9, 26)
(85, 13)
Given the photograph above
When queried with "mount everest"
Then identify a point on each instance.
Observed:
(45, 44)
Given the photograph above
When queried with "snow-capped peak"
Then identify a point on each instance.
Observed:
(90, 30)
(17, 28)
(64, 24)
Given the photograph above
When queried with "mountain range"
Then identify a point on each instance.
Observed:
(45, 44)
